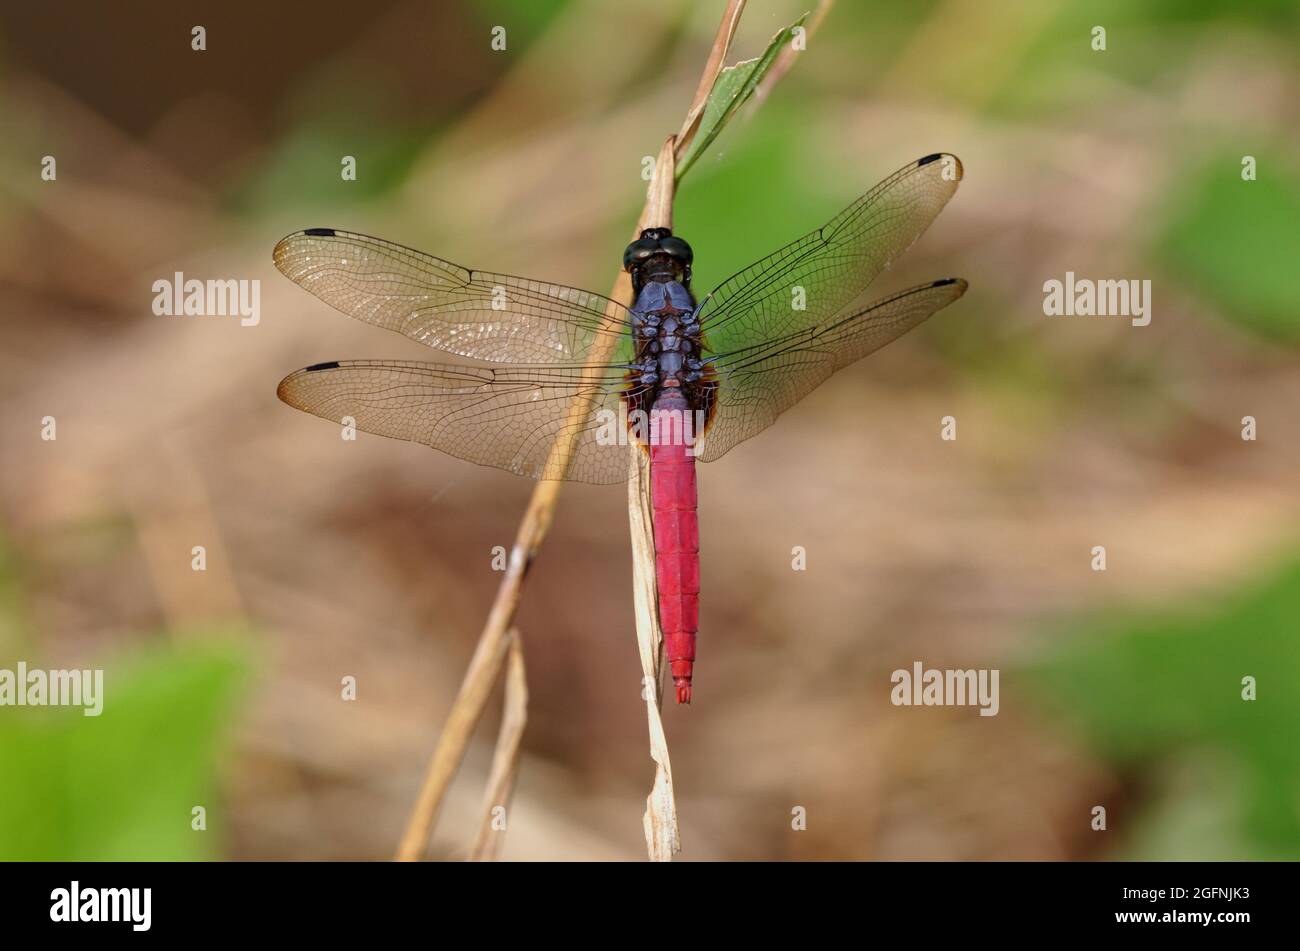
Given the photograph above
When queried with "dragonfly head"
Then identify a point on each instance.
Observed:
(658, 255)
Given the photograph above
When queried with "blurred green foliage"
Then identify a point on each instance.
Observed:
(1146, 43)
(1236, 242)
(1162, 693)
(529, 17)
(121, 786)
(304, 170)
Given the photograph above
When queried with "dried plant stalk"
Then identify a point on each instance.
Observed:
(660, 819)
(488, 656)
(464, 716)
(505, 761)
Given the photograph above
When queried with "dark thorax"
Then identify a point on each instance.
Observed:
(665, 325)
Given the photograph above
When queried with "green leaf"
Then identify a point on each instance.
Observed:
(1236, 243)
(121, 785)
(734, 85)
(1157, 692)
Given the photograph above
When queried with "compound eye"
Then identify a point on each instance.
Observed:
(677, 248)
(638, 251)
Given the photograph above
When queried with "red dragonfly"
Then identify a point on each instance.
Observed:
(678, 378)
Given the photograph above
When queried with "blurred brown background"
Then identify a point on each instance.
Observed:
(373, 559)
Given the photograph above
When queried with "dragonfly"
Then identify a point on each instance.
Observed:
(555, 382)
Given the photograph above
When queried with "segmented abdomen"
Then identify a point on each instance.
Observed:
(677, 536)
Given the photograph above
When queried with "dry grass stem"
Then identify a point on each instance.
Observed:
(505, 761)
(660, 819)
(466, 710)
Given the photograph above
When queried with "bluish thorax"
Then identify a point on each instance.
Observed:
(664, 323)
(659, 296)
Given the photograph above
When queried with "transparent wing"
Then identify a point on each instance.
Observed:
(491, 317)
(511, 419)
(756, 384)
(826, 270)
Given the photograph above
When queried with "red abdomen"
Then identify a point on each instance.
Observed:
(677, 534)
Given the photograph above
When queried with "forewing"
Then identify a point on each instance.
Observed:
(813, 279)
(491, 317)
(757, 384)
(509, 419)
